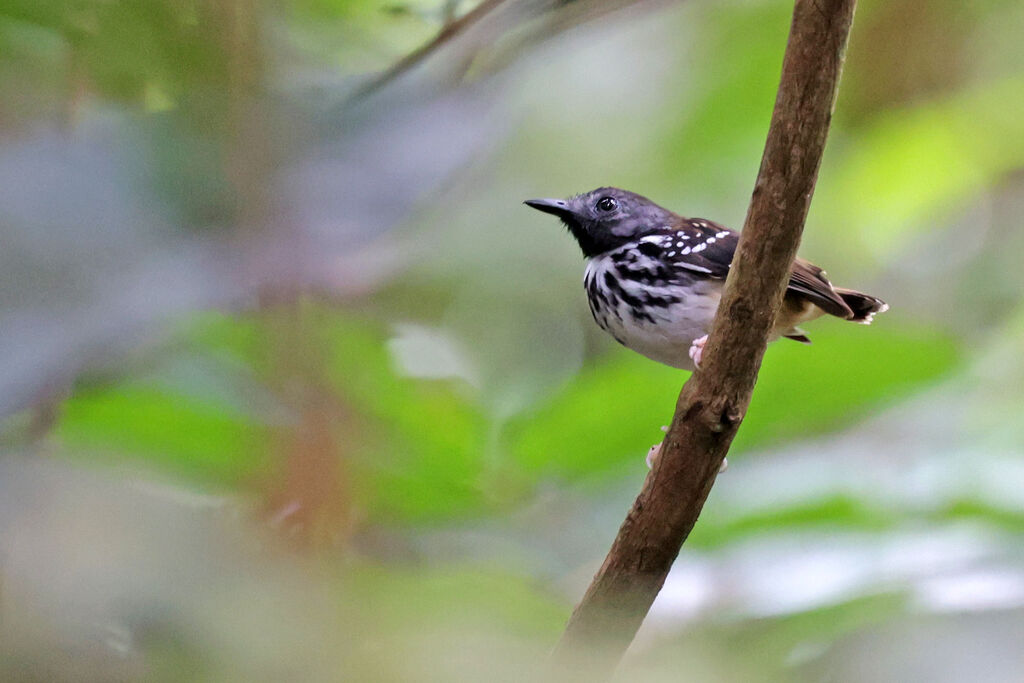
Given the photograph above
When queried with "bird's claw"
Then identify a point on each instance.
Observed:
(653, 453)
(697, 350)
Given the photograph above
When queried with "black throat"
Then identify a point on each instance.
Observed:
(593, 245)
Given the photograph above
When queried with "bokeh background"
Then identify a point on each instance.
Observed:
(292, 386)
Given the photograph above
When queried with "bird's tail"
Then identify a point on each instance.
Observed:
(864, 306)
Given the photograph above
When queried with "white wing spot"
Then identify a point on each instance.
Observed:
(711, 240)
(724, 233)
(699, 247)
(686, 251)
(671, 253)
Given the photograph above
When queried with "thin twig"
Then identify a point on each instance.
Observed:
(560, 14)
(447, 33)
(713, 402)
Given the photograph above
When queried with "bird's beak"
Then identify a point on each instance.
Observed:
(559, 207)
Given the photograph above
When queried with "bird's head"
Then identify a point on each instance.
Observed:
(605, 218)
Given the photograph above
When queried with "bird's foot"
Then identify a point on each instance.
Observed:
(697, 350)
(654, 452)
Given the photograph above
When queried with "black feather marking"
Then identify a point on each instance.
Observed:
(641, 314)
(612, 282)
(615, 286)
(656, 275)
(649, 249)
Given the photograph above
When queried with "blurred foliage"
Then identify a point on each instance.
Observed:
(293, 388)
(801, 392)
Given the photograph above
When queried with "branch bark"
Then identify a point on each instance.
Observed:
(714, 400)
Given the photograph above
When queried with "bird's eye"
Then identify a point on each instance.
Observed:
(607, 204)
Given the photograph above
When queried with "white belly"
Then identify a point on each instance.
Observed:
(665, 337)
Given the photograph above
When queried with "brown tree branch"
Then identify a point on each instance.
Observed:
(713, 402)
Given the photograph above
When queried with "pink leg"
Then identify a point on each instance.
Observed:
(697, 349)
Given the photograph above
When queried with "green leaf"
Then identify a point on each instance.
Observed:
(611, 413)
(175, 433)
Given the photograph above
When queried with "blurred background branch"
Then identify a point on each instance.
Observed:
(505, 28)
(452, 28)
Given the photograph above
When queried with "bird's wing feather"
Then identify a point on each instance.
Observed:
(810, 281)
(697, 245)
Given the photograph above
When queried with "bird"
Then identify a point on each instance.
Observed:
(654, 278)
